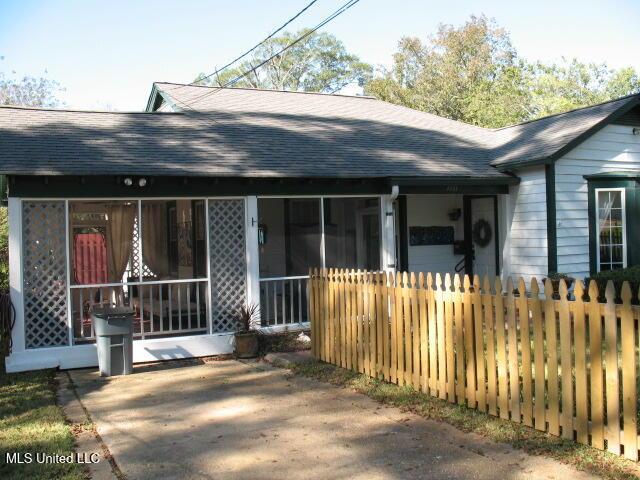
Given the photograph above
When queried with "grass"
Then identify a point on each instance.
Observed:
(282, 342)
(31, 421)
(597, 462)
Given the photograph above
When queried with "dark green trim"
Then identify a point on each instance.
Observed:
(453, 184)
(403, 238)
(468, 242)
(163, 186)
(468, 237)
(113, 187)
(552, 235)
(452, 180)
(155, 99)
(612, 176)
(444, 188)
(632, 211)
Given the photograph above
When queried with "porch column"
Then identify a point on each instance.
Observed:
(253, 263)
(15, 272)
(388, 247)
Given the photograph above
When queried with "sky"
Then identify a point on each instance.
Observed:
(107, 54)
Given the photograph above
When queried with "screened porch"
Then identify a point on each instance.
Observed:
(298, 233)
(180, 264)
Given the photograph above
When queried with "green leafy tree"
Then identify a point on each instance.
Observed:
(319, 63)
(558, 87)
(473, 73)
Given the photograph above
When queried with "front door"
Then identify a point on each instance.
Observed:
(481, 236)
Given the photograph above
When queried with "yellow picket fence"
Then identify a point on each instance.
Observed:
(566, 366)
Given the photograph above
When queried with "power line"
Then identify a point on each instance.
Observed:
(218, 70)
(215, 90)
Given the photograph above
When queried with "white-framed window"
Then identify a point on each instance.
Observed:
(611, 234)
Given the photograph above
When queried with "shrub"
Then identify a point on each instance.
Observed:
(630, 274)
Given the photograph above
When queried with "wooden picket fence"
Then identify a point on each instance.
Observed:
(566, 366)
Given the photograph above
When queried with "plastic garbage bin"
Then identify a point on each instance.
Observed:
(114, 338)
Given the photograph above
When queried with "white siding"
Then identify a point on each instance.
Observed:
(527, 230)
(612, 149)
(430, 211)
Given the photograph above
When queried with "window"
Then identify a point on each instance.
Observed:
(352, 232)
(102, 241)
(289, 236)
(149, 255)
(611, 246)
(173, 240)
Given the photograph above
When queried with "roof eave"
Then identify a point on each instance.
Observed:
(509, 165)
(454, 180)
(157, 96)
(516, 164)
(153, 95)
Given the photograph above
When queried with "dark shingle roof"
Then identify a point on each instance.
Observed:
(521, 144)
(551, 137)
(306, 135)
(243, 132)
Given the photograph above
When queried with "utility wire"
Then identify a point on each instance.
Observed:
(215, 90)
(218, 70)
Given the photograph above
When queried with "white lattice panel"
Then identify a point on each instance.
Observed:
(228, 261)
(135, 254)
(45, 273)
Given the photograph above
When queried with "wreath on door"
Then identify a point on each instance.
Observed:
(482, 233)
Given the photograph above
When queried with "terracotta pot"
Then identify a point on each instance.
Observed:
(246, 345)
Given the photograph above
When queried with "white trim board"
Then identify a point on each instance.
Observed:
(152, 350)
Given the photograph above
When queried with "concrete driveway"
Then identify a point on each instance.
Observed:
(230, 420)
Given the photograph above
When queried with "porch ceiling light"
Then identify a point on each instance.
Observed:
(128, 182)
(142, 182)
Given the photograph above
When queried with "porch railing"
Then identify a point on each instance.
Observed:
(162, 308)
(283, 300)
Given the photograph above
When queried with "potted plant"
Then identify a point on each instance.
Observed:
(555, 278)
(246, 338)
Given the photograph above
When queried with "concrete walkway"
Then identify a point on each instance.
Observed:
(230, 420)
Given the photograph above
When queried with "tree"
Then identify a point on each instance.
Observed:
(558, 87)
(319, 63)
(29, 91)
(473, 74)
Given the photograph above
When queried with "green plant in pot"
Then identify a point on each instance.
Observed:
(555, 278)
(246, 338)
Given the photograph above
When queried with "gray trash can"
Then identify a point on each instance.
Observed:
(114, 338)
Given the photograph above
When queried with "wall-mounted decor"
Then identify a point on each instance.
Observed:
(482, 233)
(430, 236)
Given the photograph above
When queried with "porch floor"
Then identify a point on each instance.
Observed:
(231, 420)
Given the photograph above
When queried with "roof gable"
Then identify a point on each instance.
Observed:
(548, 138)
